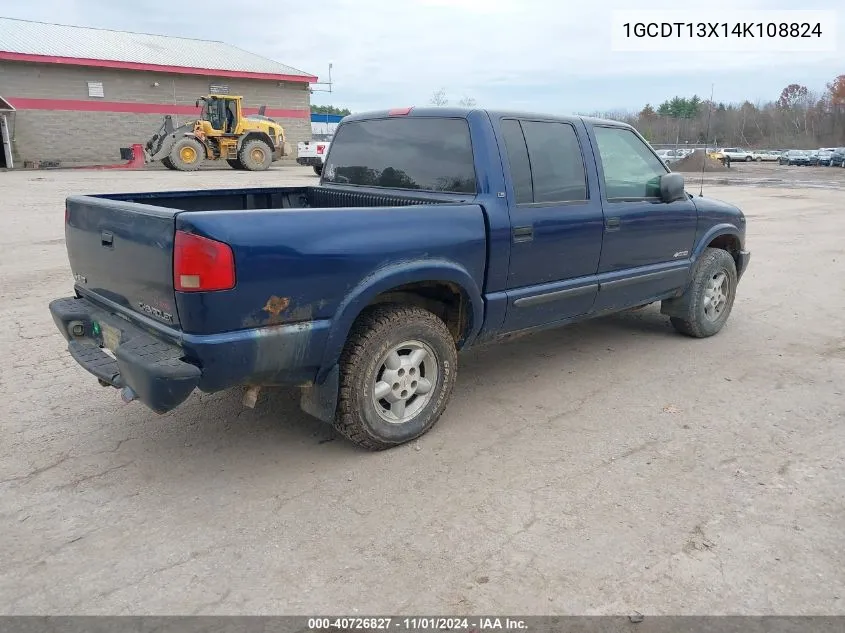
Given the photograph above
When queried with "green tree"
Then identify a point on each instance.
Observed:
(329, 109)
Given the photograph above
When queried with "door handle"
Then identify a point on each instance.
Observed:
(613, 224)
(107, 239)
(523, 233)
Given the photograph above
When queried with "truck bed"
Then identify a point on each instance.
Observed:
(295, 261)
(276, 198)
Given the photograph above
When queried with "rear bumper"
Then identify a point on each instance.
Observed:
(164, 368)
(743, 259)
(152, 368)
(310, 161)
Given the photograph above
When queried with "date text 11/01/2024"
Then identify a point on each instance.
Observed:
(418, 624)
(723, 29)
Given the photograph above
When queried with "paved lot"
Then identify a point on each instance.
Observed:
(600, 468)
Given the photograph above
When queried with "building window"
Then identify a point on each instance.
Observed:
(95, 89)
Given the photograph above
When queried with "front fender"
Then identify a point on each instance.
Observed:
(388, 278)
(713, 233)
(261, 136)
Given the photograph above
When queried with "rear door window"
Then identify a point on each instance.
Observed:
(557, 168)
(518, 160)
(418, 153)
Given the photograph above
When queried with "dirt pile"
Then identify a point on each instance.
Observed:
(694, 161)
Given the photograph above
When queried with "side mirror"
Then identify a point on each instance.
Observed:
(672, 187)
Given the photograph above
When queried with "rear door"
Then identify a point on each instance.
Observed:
(122, 253)
(556, 221)
(647, 243)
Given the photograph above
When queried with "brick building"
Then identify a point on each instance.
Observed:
(77, 95)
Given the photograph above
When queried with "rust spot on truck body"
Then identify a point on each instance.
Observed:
(275, 306)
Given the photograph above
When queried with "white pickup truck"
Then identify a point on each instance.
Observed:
(312, 153)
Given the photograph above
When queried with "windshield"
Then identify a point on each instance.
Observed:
(422, 153)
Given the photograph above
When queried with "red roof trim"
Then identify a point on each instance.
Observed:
(78, 105)
(179, 70)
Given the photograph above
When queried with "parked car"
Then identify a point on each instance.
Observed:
(737, 154)
(837, 158)
(669, 156)
(795, 157)
(813, 158)
(822, 157)
(766, 155)
(431, 230)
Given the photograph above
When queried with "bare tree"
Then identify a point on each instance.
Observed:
(438, 98)
(467, 102)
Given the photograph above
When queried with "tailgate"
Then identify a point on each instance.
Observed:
(306, 149)
(123, 252)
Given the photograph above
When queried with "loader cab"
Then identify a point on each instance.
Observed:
(222, 113)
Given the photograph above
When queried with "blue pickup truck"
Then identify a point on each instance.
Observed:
(431, 230)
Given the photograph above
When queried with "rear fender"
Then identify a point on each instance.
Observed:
(388, 278)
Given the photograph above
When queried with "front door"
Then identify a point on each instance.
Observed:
(647, 242)
(556, 223)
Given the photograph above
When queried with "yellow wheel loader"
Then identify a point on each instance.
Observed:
(222, 132)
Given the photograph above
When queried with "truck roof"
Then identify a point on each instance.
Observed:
(463, 112)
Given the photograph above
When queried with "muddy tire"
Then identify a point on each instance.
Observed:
(397, 372)
(166, 162)
(318, 169)
(709, 299)
(235, 164)
(187, 154)
(255, 155)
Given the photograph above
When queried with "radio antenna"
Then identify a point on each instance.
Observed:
(706, 140)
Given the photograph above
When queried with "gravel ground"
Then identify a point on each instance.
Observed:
(602, 468)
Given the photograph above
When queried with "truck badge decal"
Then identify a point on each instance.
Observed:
(161, 315)
(681, 254)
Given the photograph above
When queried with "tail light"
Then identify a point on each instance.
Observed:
(201, 264)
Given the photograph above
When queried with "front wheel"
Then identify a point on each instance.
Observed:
(318, 169)
(187, 154)
(397, 373)
(748, 159)
(234, 163)
(710, 297)
(255, 155)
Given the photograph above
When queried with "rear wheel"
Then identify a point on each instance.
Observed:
(397, 374)
(234, 163)
(759, 160)
(167, 163)
(748, 159)
(187, 154)
(318, 169)
(255, 155)
(710, 297)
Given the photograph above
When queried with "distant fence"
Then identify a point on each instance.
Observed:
(692, 146)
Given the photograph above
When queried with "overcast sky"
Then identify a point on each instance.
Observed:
(547, 55)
